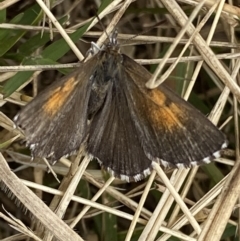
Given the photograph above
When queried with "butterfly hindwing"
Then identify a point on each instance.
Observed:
(113, 137)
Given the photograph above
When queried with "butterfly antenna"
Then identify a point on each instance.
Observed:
(103, 27)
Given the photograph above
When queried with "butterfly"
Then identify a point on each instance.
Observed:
(105, 106)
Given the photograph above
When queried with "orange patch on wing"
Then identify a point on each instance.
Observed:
(166, 116)
(157, 97)
(59, 96)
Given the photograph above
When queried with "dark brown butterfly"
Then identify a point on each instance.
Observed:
(106, 105)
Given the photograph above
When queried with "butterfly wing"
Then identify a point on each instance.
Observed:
(55, 121)
(137, 126)
(113, 138)
(172, 130)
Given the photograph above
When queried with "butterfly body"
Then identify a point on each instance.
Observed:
(106, 105)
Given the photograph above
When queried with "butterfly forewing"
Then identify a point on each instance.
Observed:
(171, 129)
(55, 123)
